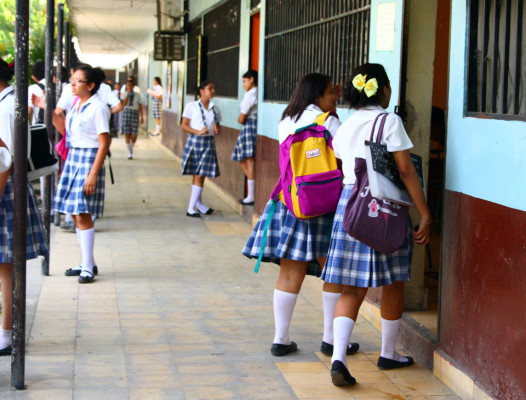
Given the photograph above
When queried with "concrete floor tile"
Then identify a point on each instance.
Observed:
(97, 394)
(210, 392)
(157, 394)
(155, 381)
(51, 394)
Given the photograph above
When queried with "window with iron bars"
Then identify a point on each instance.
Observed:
(496, 63)
(219, 49)
(304, 36)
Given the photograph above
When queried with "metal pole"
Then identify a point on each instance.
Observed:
(60, 50)
(20, 193)
(67, 40)
(50, 106)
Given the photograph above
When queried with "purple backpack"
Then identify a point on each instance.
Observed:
(380, 224)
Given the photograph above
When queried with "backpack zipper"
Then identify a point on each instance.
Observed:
(317, 183)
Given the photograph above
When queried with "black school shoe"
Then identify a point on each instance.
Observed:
(6, 351)
(194, 215)
(279, 350)
(86, 279)
(328, 349)
(387, 363)
(340, 375)
(242, 202)
(76, 272)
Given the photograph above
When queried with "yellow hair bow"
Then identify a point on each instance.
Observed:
(370, 87)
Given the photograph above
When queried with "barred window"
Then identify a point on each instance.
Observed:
(329, 37)
(221, 32)
(496, 63)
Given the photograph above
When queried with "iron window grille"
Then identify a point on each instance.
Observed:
(221, 31)
(496, 62)
(305, 36)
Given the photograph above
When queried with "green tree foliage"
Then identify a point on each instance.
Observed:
(37, 30)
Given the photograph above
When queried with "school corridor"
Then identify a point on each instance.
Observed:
(177, 312)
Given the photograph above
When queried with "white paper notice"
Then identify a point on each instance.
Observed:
(385, 27)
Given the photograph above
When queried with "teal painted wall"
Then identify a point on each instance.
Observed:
(486, 158)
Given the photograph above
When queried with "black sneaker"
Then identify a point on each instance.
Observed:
(387, 363)
(328, 349)
(340, 375)
(76, 272)
(279, 350)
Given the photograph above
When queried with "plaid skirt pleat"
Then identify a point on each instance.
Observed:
(350, 262)
(156, 108)
(35, 235)
(70, 197)
(246, 142)
(199, 157)
(291, 238)
(130, 121)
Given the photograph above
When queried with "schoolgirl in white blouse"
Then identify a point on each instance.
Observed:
(80, 189)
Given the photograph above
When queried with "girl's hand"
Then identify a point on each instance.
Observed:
(141, 120)
(90, 185)
(215, 129)
(203, 131)
(421, 236)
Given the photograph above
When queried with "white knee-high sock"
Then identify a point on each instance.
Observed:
(250, 192)
(343, 327)
(129, 147)
(329, 304)
(5, 338)
(200, 205)
(284, 304)
(68, 218)
(194, 197)
(157, 128)
(77, 230)
(389, 335)
(87, 244)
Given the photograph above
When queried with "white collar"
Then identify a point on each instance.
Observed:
(313, 107)
(210, 105)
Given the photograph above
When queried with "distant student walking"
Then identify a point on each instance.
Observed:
(157, 104)
(201, 119)
(245, 148)
(351, 263)
(131, 117)
(80, 190)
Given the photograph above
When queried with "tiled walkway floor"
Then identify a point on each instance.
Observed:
(177, 313)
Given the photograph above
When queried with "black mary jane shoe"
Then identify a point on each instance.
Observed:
(76, 272)
(194, 215)
(387, 363)
(6, 351)
(242, 202)
(340, 375)
(86, 279)
(210, 211)
(328, 349)
(279, 350)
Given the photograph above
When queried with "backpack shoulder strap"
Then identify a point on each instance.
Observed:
(320, 120)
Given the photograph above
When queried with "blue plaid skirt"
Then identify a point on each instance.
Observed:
(130, 121)
(353, 263)
(156, 108)
(70, 197)
(246, 142)
(291, 238)
(199, 157)
(35, 236)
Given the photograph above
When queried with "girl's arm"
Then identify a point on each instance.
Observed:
(242, 118)
(59, 121)
(141, 118)
(409, 176)
(185, 126)
(216, 128)
(91, 181)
